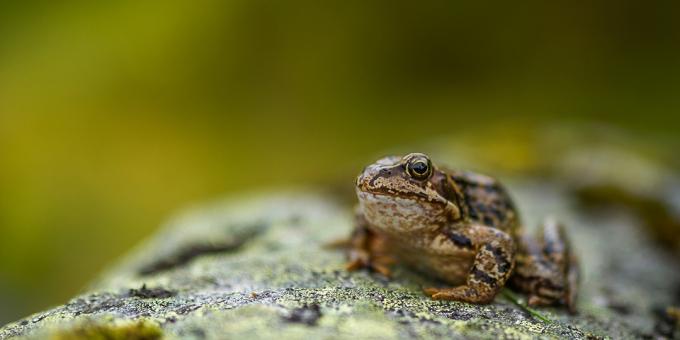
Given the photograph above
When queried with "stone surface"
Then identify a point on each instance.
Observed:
(255, 267)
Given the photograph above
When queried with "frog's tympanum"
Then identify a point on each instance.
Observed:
(459, 227)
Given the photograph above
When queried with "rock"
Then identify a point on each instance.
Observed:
(256, 267)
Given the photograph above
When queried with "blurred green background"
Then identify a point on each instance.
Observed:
(113, 115)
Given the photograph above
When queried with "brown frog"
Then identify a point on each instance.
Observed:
(459, 227)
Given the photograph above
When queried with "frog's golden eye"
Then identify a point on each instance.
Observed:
(419, 168)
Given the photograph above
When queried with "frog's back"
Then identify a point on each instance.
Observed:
(486, 201)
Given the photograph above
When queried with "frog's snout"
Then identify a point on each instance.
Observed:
(379, 176)
(359, 179)
(364, 179)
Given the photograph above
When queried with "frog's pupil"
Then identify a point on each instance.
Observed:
(419, 168)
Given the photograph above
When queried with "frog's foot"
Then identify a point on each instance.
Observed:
(460, 293)
(537, 300)
(573, 277)
(545, 269)
(342, 243)
(368, 250)
(360, 259)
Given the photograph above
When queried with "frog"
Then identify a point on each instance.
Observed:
(461, 228)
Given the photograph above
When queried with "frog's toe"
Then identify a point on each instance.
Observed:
(460, 293)
(431, 291)
(360, 264)
(360, 259)
(440, 293)
(381, 269)
(353, 265)
(536, 301)
(357, 259)
(573, 282)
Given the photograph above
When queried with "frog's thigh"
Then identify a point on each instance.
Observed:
(491, 268)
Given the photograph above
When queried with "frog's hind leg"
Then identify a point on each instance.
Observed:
(545, 268)
(368, 249)
(493, 263)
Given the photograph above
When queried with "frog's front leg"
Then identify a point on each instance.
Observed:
(493, 263)
(546, 270)
(368, 249)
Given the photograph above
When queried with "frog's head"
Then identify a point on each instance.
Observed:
(406, 194)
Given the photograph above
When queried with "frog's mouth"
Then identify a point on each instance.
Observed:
(401, 215)
(403, 201)
(405, 205)
(366, 195)
(391, 194)
(367, 185)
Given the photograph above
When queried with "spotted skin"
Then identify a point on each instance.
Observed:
(486, 200)
(459, 227)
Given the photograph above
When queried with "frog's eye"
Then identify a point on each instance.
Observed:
(419, 168)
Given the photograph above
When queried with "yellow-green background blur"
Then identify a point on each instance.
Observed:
(113, 115)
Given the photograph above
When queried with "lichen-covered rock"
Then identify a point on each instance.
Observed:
(256, 267)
